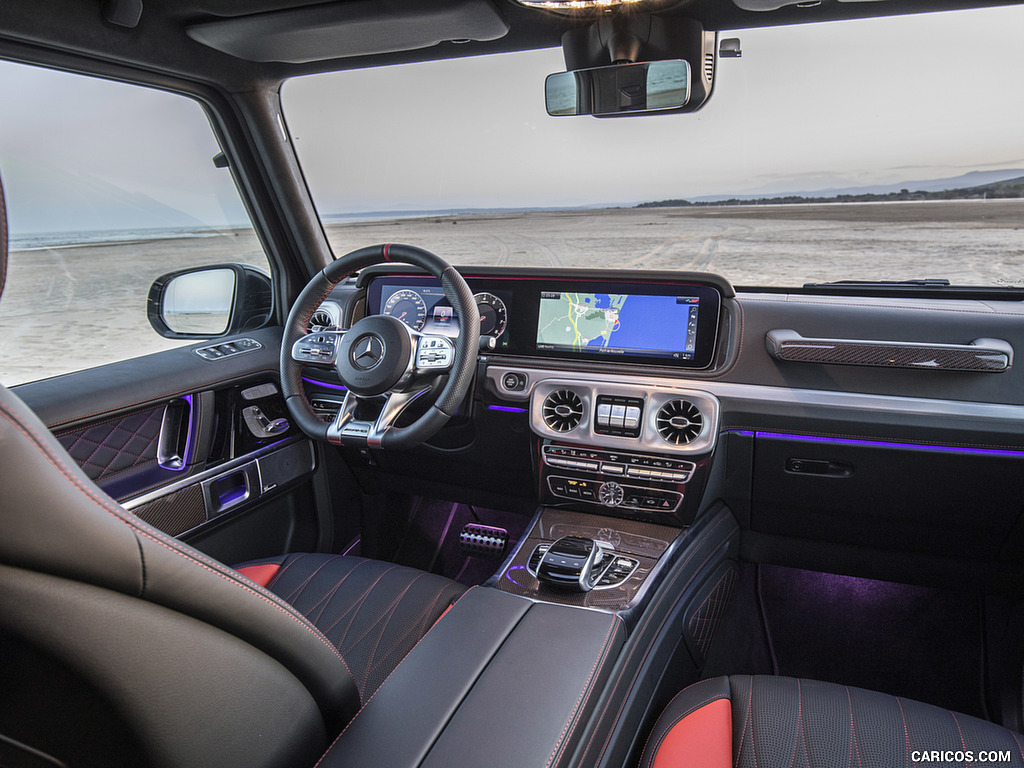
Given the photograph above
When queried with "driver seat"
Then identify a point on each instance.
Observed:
(120, 645)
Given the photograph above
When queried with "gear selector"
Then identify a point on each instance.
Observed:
(575, 564)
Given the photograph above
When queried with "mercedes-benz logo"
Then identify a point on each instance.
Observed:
(367, 352)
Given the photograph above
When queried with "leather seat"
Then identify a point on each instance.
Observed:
(120, 645)
(782, 722)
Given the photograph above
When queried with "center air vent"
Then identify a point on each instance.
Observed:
(562, 410)
(679, 422)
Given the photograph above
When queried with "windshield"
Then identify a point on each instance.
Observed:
(886, 149)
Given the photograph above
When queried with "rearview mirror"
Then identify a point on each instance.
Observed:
(619, 89)
(211, 301)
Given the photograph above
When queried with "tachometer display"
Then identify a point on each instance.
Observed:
(493, 315)
(407, 306)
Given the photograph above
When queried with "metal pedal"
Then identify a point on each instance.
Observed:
(483, 540)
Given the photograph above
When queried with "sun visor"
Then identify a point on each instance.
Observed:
(340, 30)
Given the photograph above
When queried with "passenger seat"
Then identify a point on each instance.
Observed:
(782, 722)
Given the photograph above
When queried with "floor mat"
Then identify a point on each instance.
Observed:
(922, 643)
(430, 540)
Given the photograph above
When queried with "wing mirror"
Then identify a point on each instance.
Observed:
(619, 89)
(204, 302)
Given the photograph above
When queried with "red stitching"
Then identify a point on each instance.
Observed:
(665, 595)
(960, 732)
(906, 732)
(231, 577)
(364, 706)
(586, 689)
(743, 734)
(854, 746)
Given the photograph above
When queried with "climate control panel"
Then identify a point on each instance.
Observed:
(617, 481)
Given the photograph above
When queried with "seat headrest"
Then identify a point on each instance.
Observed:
(3, 239)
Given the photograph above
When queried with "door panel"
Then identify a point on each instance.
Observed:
(189, 443)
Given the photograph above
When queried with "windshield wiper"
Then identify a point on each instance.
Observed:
(927, 282)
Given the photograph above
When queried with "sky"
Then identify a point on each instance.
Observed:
(806, 108)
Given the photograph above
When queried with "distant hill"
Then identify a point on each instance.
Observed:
(970, 186)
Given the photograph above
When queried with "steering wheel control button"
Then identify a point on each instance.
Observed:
(319, 348)
(435, 352)
(514, 381)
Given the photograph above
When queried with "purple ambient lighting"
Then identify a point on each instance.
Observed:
(325, 384)
(508, 575)
(505, 409)
(232, 495)
(186, 459)
(884, 444)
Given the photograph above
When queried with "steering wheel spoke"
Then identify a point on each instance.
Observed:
(348, 429)
(384, 364)
(319, 348)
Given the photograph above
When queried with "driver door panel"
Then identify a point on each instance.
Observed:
(192, 442)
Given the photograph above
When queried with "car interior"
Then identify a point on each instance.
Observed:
(397, 507)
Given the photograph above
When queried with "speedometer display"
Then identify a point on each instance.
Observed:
(493, 314)
(407, 306)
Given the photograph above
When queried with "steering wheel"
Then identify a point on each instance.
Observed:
(384, 364)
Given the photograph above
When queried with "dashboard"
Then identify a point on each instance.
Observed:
(673, 390)
(653, 323)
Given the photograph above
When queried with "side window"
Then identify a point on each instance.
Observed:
(109, 186)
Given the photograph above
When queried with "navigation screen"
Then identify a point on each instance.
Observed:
(618, 324)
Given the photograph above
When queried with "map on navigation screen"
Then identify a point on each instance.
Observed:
(617, 323)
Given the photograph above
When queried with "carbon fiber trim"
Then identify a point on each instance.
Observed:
(980, 356)
(176, 512)
(644, 542)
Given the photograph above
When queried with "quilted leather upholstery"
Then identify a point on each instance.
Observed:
(781, 722)
(116, 445)
(373, 612)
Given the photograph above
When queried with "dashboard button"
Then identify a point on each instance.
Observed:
(618, 418)
(632, 417)
(604, 414)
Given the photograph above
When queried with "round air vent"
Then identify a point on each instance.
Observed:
(320, 320)
(562, 410)
(679, 422)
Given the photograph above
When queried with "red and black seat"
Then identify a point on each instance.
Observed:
(120, 645)
(782, 722)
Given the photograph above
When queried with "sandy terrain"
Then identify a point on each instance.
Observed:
(101, 315)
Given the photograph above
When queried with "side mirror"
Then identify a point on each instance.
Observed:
(204, 302)
(619, 89)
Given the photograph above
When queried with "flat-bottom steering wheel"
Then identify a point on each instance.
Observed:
(383, 363)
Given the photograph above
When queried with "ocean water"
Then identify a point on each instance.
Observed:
(41, 240)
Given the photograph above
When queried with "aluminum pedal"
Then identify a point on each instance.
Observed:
(483, 540)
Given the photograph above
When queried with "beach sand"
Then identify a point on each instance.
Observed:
(99, 316)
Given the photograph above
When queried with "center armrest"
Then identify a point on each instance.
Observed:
(498, 681)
